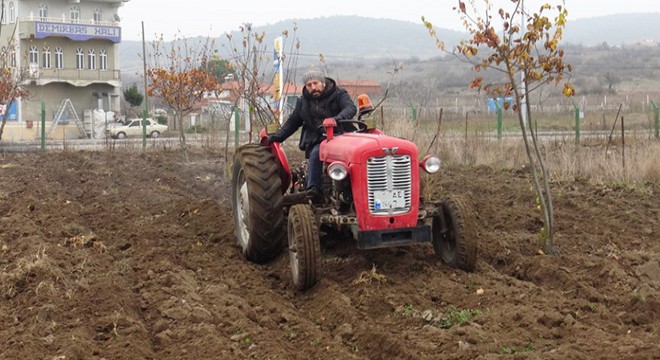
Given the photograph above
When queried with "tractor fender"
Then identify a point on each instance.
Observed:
(280, 158)
(285, 170)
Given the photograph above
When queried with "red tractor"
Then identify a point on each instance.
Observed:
(372, 189)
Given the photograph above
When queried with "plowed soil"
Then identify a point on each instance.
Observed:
(131, 255)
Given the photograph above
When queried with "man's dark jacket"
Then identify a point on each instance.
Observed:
(310, 112)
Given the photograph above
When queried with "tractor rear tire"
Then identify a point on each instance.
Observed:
(454, 234)
(304, 246)
(256, 196)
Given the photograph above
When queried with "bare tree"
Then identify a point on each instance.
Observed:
(252, 60)
(11, 76)
(180, 77)
(610, 79)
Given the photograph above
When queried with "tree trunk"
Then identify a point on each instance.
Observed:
(178, 119)
(537, 165)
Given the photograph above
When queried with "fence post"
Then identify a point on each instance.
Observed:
(414, 112)
(577, 123)
(499, 120)
(43, 126)
(657, 119)
(144, 127)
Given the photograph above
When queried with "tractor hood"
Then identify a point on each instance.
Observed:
(355, 148)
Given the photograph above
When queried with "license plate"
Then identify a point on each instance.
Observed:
(389, 199)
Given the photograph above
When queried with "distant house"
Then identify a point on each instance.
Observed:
(221, 100)
(357, 87)
(290, 94)
(646, 43)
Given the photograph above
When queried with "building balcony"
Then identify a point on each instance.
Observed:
(78, 30)
(75, 77)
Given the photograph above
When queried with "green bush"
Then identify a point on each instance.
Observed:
(195, 129)
(161, 119)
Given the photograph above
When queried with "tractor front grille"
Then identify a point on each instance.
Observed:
(389, 188)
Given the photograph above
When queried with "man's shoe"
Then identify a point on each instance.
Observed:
(315, 196)
(295, 198)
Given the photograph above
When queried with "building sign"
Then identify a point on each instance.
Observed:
(12, 111)
(77, 32)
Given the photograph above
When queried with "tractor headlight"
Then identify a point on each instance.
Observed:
(431, 164)
(337, 171)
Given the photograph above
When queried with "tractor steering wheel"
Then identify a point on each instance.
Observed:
(361, 126)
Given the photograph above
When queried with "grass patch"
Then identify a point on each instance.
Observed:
(637, 296)
(317, 340)
(408, 310)
(74, 229)
(454, 316)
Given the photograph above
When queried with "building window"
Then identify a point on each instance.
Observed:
(80, 59)
(43, 11)
(91, 59)
(97, 15)
(74, 13)
(33, 55)
(103, 59)
(45, 54)
(59, 58)
(12, 12)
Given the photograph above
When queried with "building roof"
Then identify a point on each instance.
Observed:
(357, 87)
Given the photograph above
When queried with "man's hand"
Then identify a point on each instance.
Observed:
(273, 138)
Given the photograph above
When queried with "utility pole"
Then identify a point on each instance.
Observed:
(146, 107)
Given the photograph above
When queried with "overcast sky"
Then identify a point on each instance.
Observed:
(214, 18)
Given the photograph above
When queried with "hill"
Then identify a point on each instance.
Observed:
(356, 37)
(351, 38)
(360, 47)
(621, 29)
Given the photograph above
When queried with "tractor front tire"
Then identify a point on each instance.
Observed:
(454, 234)
(304, 246)
(256, 195)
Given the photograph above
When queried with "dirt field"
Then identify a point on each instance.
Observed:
(131, 255)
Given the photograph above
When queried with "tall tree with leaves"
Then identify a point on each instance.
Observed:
(133, 96)
(180, 77)
(220, 68)
(524, 48)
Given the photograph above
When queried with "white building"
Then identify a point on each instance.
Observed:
(71, 48)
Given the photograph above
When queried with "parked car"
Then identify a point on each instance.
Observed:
(133, 127)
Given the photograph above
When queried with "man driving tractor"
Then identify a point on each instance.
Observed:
(321, 99)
